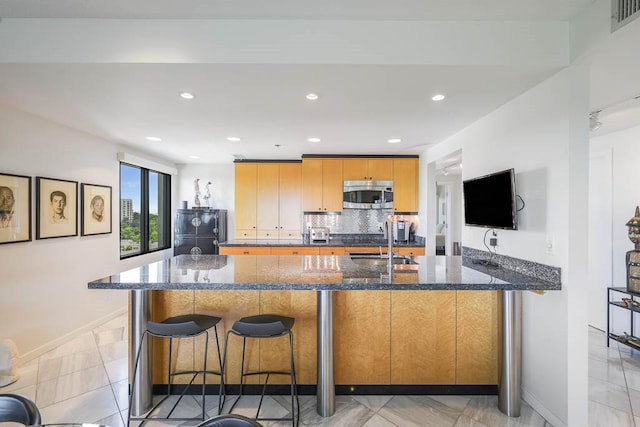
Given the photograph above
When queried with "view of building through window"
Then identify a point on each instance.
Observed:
(144, 210)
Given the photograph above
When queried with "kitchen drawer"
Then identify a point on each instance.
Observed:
(331, 251)
(289, 234)
(245, 250)
(302, 250)
(267, 234)
(246, 234)
(410, 251)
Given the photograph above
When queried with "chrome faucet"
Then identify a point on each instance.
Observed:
(389, 228)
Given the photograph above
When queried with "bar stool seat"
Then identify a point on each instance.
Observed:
(183, 326)
(259, 327)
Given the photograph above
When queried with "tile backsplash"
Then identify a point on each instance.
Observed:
(354, 221)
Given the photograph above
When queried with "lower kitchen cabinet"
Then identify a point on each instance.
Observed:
(423, 337)
(361, 337)
(477, 330)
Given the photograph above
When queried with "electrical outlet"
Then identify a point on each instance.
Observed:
(493, 241)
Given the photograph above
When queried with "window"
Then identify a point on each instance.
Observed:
(145, 203)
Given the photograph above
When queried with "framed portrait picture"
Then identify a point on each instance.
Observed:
(95, 209)
(57, 208)
(15, 208)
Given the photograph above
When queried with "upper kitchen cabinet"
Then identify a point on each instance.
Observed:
(367, 169)
(246, 200)
(268, 200)
(405, 185)
(322, 185)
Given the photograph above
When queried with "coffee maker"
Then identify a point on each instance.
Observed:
(401, 231)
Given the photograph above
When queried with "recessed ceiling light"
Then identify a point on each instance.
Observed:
(438, 97)
(394, 140)
(233, 138)
(194, 157)
(312, 96)
(153, 138)
(187, 95)
(313, 139)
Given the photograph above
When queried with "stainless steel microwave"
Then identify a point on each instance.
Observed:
(367, 195)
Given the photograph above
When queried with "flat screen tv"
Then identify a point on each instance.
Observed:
(490, 200)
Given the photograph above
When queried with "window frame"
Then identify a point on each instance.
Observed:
(163, 209)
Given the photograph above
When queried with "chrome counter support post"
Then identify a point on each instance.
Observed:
(511, 370)
(140, 314)
(326, 379)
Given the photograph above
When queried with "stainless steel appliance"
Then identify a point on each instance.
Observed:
(319, 235)
(401, 231)
(367, 195)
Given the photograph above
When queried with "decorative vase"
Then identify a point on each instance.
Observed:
(633, 256)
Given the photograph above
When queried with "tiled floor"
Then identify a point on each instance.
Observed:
(85, 381)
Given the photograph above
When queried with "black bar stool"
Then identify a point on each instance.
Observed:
(266, 326)
(185, 326)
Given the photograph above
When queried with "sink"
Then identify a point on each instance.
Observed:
(380, 260)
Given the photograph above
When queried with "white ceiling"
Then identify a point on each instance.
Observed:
(361, 105)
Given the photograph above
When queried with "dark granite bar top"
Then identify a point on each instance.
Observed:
(318, 272)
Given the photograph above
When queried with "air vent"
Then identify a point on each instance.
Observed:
(623, 12)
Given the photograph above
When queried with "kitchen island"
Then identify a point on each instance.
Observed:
(326, 275)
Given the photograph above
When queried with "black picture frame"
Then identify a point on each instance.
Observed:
(15, 208)
(56, 208)
(96, 208)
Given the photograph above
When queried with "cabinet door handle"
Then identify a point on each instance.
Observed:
(295, 252)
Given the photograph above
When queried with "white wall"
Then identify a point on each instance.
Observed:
(222, 177)
(623, 195)
(543, 135)
(43, 285)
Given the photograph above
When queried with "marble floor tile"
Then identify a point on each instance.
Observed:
(72, 385)
(66, 364)
(373, 402)
(114, 350)
(418, 411)
(605, 416)
(85, 341)
(88, 407)
(609, 394)
(485, 410)
(117, 370)
(602, 370)
(464, 421)
(378, 421)
(351, 413)
(456, 402)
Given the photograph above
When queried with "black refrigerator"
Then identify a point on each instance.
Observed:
(198, 231)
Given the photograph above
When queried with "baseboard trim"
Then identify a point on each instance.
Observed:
(51, 345)
(310, 389)
(542, 410)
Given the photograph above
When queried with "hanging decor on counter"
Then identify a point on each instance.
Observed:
(633, 256)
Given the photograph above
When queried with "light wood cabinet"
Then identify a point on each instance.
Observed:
(322, 185)
(290, 201)
(477, 337)
(423, 337)
(361, 169)
(245, 200)
(362, 353)
(405, 185)
(268, 200)
(245, 250)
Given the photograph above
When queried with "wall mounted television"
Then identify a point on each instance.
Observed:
(490, 200)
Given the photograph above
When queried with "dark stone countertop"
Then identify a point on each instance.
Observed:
(318, 272)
